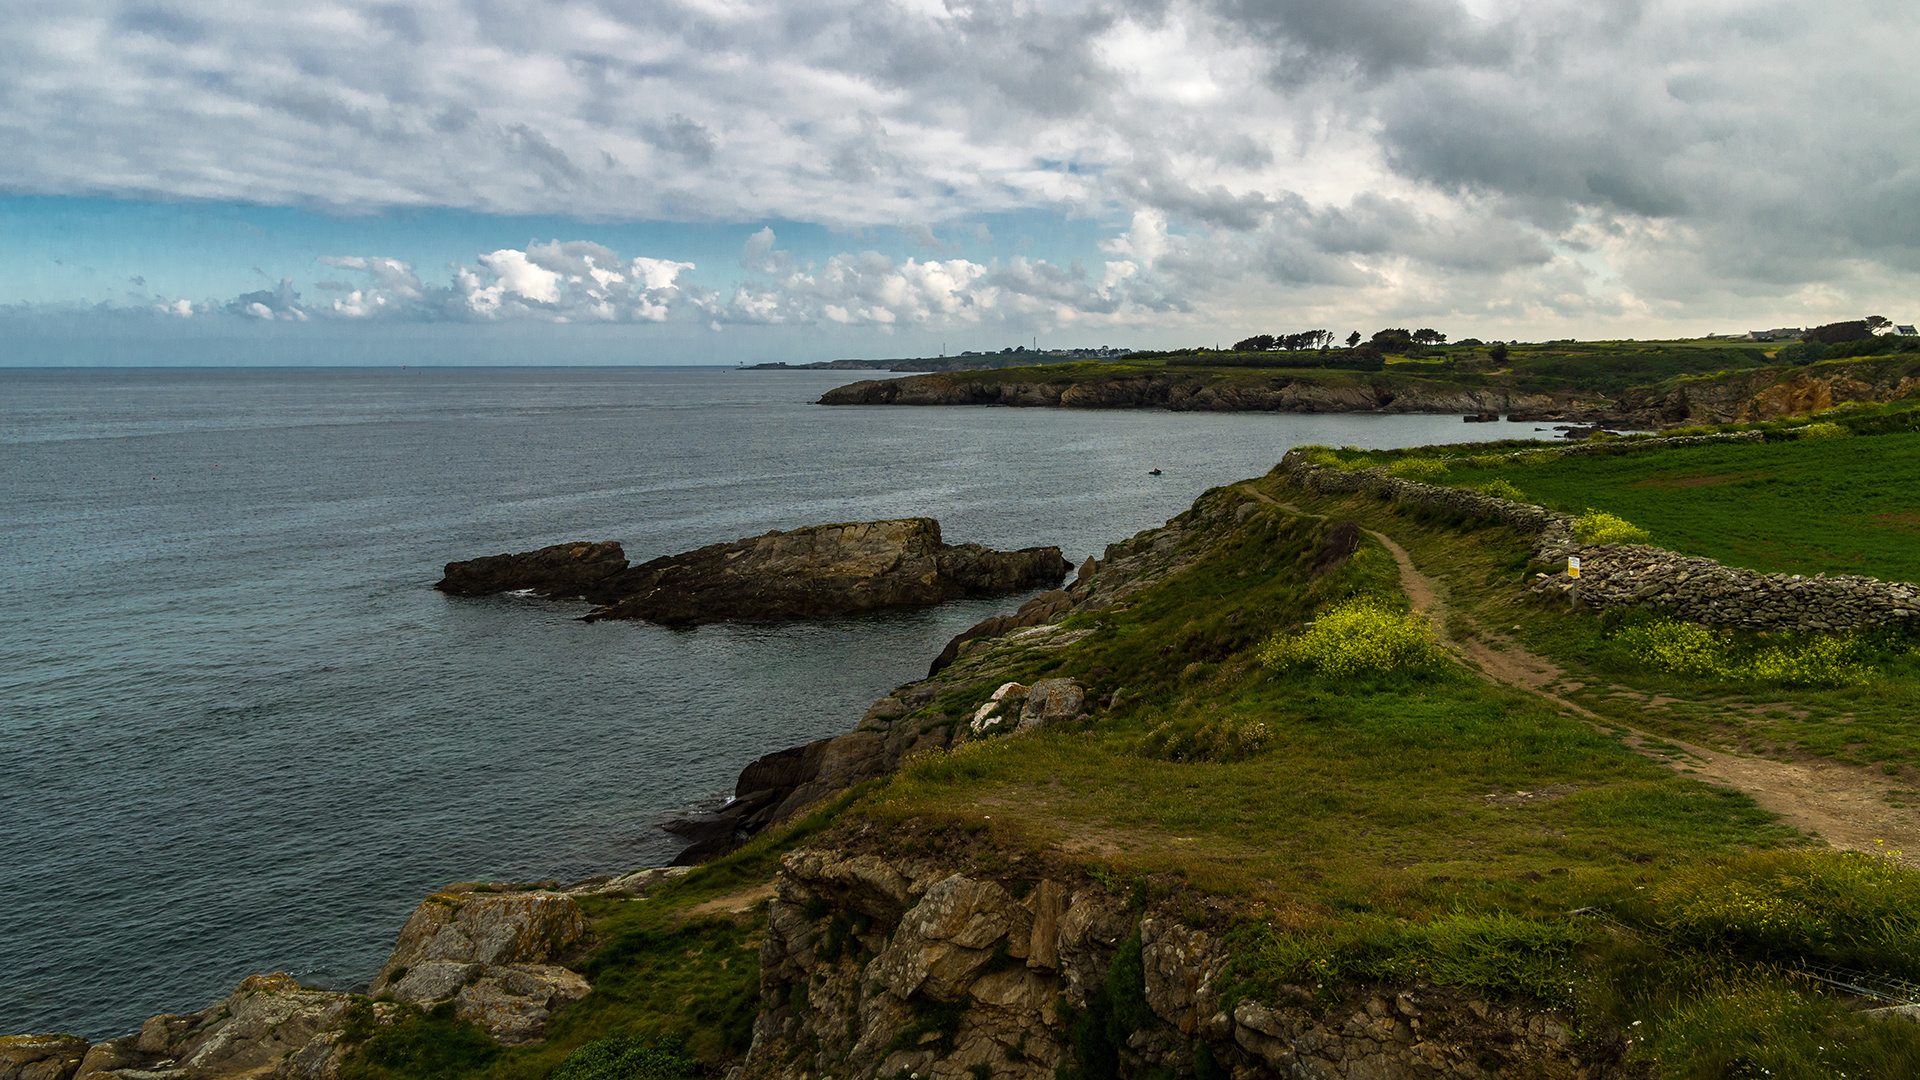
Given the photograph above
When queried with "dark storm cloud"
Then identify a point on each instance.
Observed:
(1378, 38)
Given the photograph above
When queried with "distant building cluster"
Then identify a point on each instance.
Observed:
(1795, 333)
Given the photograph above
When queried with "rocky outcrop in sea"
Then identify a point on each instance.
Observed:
(821, 570)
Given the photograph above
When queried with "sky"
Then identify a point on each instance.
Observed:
(724, 181)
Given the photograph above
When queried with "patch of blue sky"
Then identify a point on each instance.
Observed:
(89, 251)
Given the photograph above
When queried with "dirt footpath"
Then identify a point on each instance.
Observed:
(1845, 804)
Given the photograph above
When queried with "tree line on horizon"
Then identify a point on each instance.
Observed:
(1398, 341)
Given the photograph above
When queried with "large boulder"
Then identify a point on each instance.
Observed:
(560, 570)
(40, 1057)
(1040, 609)
(822, 570)
(490, 953)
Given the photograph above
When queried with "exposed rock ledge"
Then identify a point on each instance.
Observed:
(488, 952)
(862, 948)
(821, 570)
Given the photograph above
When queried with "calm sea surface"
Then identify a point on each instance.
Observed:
(241, 733)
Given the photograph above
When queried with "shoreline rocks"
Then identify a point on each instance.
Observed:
(491, 954)
(821, 570)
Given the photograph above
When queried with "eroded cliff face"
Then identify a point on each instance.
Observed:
(1771, 393)
(882, 967)
(1183, 392)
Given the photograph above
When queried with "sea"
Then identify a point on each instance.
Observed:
(240, 732)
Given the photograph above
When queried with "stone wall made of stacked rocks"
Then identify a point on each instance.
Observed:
(1640, 575)
(1704, 591)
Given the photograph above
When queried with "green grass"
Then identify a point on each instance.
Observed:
(1343, 829)
(1358, 843)
(1800, 507)
(1366, 786)
(1868, 722)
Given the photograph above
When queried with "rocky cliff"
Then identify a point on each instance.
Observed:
(1769, 393)
(880, 966)
(1183, 392)
(822, 570)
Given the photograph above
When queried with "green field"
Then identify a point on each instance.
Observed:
(1806, 506)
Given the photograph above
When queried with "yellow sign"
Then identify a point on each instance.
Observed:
(1573, 566)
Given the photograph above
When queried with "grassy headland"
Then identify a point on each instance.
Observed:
(1620, 384)
(1355, 816)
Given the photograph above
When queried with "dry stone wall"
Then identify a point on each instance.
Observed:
(1640, 575)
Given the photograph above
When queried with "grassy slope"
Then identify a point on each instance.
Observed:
(1348, 823)
(1359, 837)
(1790, 506)
(1365, 791)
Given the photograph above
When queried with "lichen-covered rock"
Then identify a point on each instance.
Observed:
(41, 1057)
(459, 925)
(514, 1002)
(1050, 701)
(946, 939)
(489, 953)
(267, 1019)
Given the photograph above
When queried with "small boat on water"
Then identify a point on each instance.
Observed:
(1153, 472)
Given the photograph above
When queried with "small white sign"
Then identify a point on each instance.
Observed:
(1573, 566)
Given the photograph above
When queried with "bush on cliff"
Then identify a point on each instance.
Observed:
(430, 1045)
(1418, 468)
(622, 1057)
(1354, 636)
(1824, 430)
(1501, 488)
